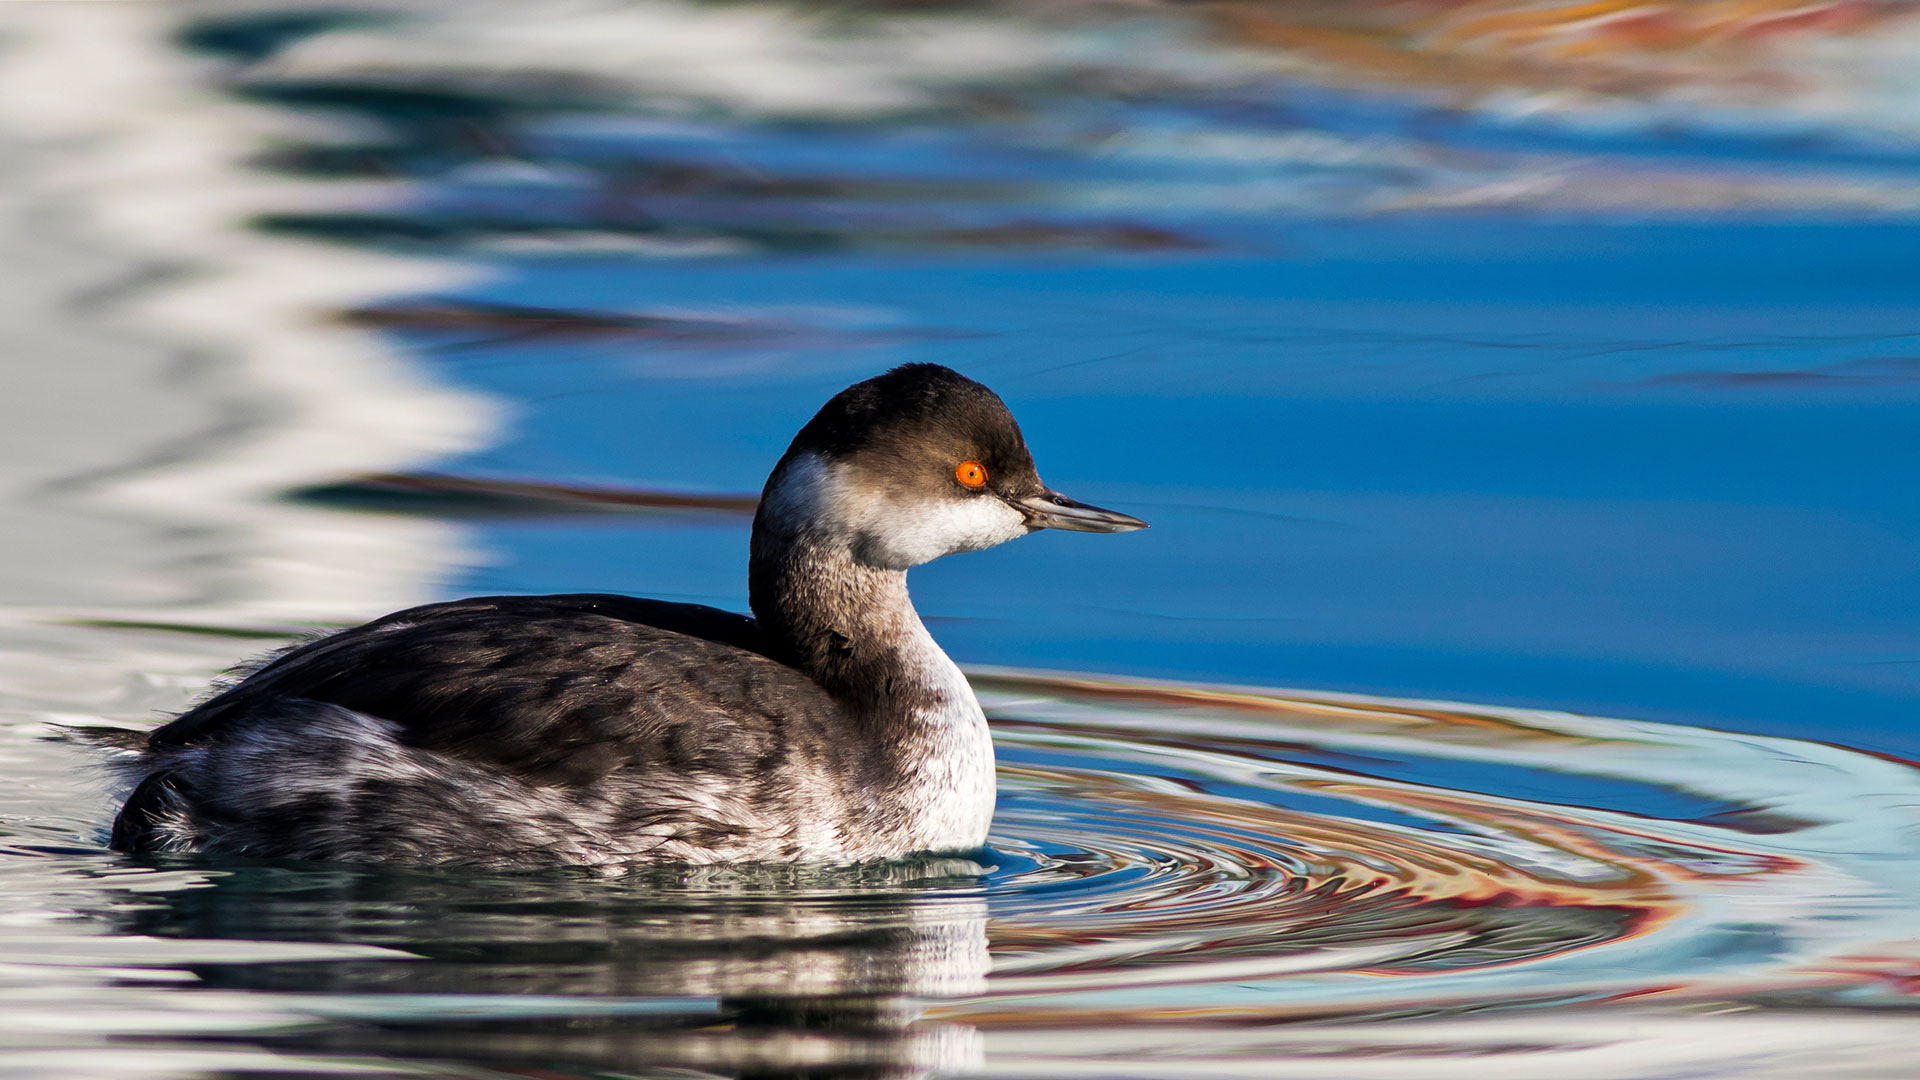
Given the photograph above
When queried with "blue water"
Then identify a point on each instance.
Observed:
(1481, 459)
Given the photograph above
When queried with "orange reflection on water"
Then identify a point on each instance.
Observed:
(1608, 46)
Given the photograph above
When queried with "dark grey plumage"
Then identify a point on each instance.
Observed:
(599, 730)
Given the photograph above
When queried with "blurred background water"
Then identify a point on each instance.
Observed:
(1545, 356)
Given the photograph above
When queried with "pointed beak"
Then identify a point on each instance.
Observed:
(1051, 510)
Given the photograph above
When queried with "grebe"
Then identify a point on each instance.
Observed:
(519, 731)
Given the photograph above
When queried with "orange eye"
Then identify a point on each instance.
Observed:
(970, 474)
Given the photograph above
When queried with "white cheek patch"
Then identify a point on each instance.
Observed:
(904, 536)
(812, 495)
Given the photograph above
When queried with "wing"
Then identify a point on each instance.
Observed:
(554, 689)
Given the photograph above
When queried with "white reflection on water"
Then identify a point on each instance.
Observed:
(1559, 95)
(171, 382)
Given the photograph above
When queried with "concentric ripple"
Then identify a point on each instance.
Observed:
(1337, 854)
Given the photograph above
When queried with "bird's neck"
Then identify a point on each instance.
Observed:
(850, 626)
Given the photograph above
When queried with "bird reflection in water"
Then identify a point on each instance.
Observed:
(749, 972)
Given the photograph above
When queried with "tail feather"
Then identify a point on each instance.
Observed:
(132, 740)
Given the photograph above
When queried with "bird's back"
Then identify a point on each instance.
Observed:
(509, 731)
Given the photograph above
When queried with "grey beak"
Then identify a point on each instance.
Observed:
(1052, 510)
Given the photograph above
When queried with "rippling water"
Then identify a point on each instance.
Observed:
(1183, 880)
(1492, 351)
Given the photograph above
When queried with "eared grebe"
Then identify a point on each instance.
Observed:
(515, 731)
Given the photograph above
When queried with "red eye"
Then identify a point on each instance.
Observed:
(970, 474)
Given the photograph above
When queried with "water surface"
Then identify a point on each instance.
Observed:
(1558, 361)
(1182, 880)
